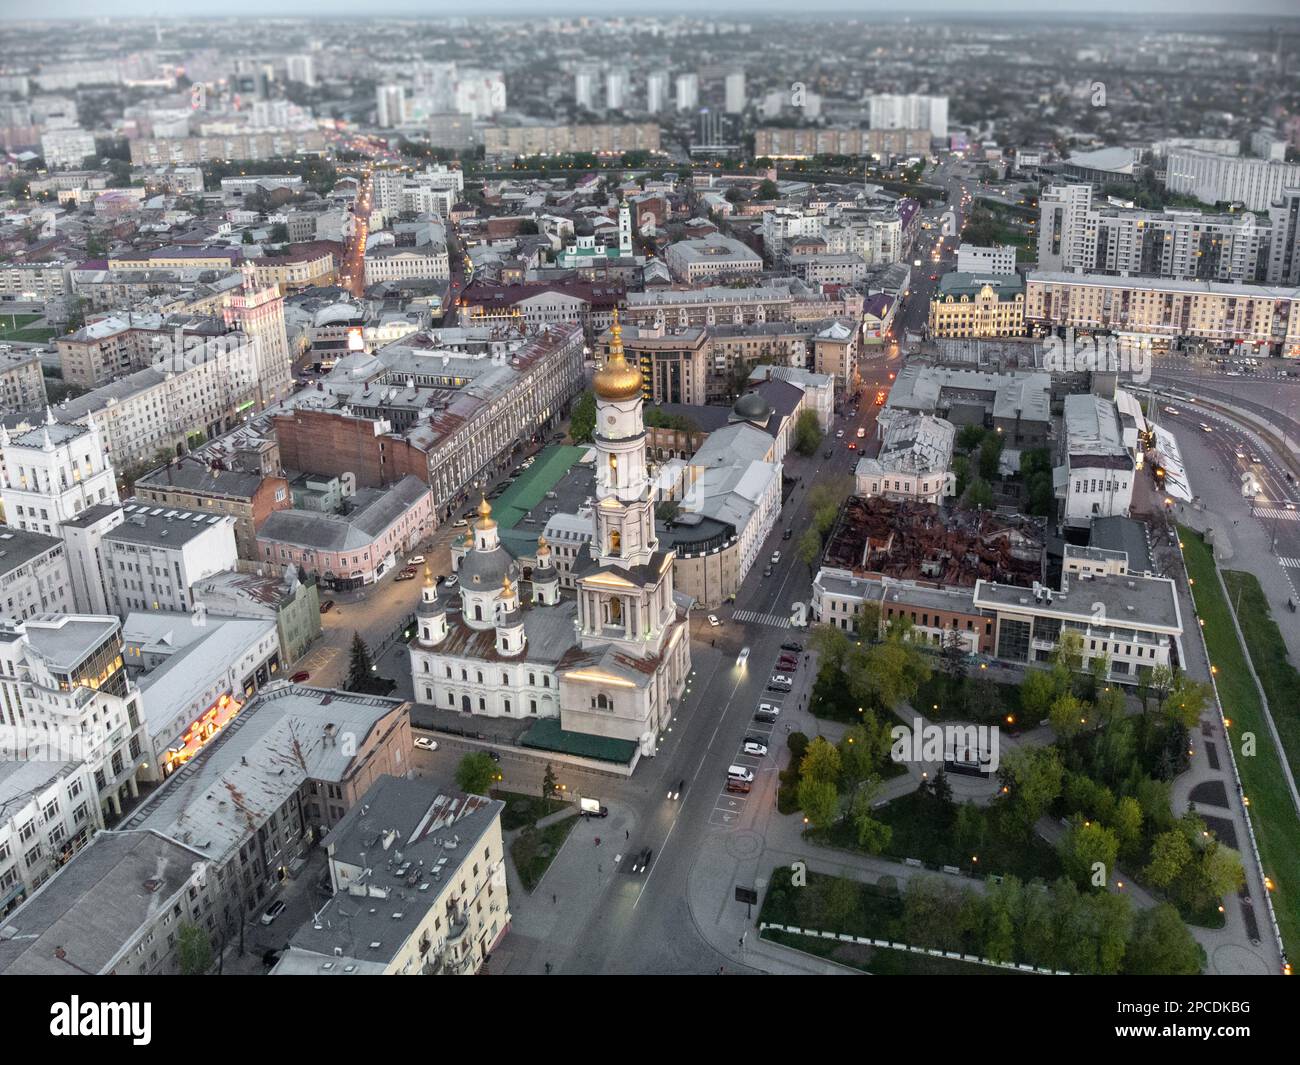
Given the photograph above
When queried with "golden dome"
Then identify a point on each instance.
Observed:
(506, 587)
(428, 576)
(543, 547)
(485, 514)
(617, 379)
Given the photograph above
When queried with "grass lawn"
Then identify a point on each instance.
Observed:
(1272, 813)
(876, 915)
(524, 810)
(533, 850)
(923, 830)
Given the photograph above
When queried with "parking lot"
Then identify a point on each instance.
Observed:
(730, 802)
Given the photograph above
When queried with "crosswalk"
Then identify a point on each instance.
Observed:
(753, 617)
(1290, 563)
(1273, 513)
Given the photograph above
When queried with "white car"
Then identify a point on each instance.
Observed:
(776, 557)
(839, 434)
(743, 657)
(451, 581)
(273, 911)
(768, 708)
(415, 560)
(781, 678)
(713, 620)
(754, 747)
(426, 744)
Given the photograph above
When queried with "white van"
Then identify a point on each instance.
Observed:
(739, 772)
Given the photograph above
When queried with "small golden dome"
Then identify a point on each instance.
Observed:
(543, 548)
(485, 514)
(617, 379)
(506, 587)
(428, 576)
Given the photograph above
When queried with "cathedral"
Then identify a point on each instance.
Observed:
(611, 661)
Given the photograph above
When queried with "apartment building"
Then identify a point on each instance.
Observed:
(182, 151)
(22, 381)
(48, 812)
(153, 559)
(675, 367)
(65, 696)
(34, 577)
(51, 474)
(997, 260)
(456, 907)
(33, 282)
(784, 143)
(1157, 311)
(1213, 178)
(509, 142)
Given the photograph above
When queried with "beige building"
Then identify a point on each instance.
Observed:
(511, 141)
(674, 366)
(396, 264)
(1161, 310)
(978, 306)
(419, 883)
(22, 382)
(835, 353)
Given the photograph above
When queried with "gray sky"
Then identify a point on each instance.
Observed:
(15, 9)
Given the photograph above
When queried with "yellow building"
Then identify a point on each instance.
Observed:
(971, 305)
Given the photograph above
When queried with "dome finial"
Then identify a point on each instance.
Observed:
(617, 379)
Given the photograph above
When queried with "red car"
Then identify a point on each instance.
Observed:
(853, 446)
(301, 676)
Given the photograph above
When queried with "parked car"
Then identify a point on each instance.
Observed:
(776, 557)
(787, 663)
(407, 574)
(769, 708)
(273, 911)
(738, 787)
(713, 620)
(301, 677)
(767, 571)
(782, 678)
(792, 646)
(755, 747)
(459, 523)
(415, 560)
(452, 581)
(777, 686)
(676, 793)
(739, 772)
(839, 434)
(426, 744)
(642, 861)
(327, 606)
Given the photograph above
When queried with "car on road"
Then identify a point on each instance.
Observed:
(452, 581)
(301, 677)
(1205, 428)
(755, 747)
(776, 557)
(739, 772)
(642, 861)
(273, 911)
(792, 646)
(459, 523)
(839, 434)
(1288, 505)
(426, 744)
(853, 446)
(787, 534)
(767, 571)
(327, 606)
(676, 793)
(1171, 410)
(407, 574)
(743, 657)
(713, 620)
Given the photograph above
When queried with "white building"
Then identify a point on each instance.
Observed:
(66, 147)
(688, 92)
(34, 576)
(1226, 178)
(912, 111)
(913, 462)
(391, 263)
(656, 92)
(613, 664)
(993, 261)
(710, 258)
(48, 812)
(155, 557)
(616, 86)
(65, 696)
(1096, 479)
(51, 473)
(196, 674)
(734, 92)
(390, 103)
(584, 86)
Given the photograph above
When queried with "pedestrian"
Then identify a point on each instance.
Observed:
(599, 868)
(548, 968)
(597, 841)
(627, 833)
(554, 899)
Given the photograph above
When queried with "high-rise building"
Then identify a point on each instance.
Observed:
(584, 86)
(615, 90)
(52, 473)
(1284, 239)
(391, 106)
(734, 92)
(479, 93)
(1256, 183)
(302, 68)
(688, 92)
(656, 92)
(913, 111)
(259, 313)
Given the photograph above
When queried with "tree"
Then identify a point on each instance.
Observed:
(1127, 822)
(1109, 704)
(808, 548)
(1068, 653)
(194, 949)
(1170, 853)
(955, 660)
(970, 437)
(978, 495)
(1084, 845)
(819, 801)
(550, 785)
(582, 422)
(360, 667)
(873, 836)
(1068, 715)
(990, 455)
(279, 233)
(1161, 945)
(767, 190)
(1039, 691)
(1159, 683)
(1187, 700)
(888, 672)
(476, 773)
(1220, 868)
(1033, 777)
(807, 433)
(821, 762)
